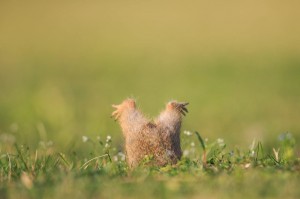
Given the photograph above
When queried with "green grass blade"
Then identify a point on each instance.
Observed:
(200, 140)
(21, 157)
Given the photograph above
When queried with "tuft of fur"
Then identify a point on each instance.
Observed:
(169, 124)
(159, 138)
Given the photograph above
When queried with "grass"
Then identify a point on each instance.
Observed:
(62, 65)
(255, 172)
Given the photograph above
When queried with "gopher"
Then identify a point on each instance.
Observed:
(159, 139)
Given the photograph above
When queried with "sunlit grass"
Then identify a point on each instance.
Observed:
(41, 172)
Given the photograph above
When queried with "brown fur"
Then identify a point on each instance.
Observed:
(159, 138)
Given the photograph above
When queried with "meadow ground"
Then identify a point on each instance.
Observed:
(62, 65)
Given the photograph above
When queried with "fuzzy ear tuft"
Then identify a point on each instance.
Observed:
(179, 106)
(131, 102)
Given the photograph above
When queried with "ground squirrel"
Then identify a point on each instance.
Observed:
(159, 138)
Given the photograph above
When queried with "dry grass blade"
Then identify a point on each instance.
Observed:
(9, 168)
(95, 158)
(64, 159)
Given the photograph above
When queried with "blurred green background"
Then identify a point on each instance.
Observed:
(63, 63)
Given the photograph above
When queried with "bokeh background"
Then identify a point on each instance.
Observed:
(63, 63)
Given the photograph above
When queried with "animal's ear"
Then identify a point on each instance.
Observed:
(184, 103)
(171, 104)
(131, 102)
(179, 106)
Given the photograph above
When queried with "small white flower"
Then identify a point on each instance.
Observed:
(247, 165)
(85, 138)
(115, 158)
(192, 144)
(186, 152)
(122, 155)
(220, 141)
(188, 133)
(108, 138)
(106, 145)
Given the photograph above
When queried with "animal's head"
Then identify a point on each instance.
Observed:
(179, 107)
(125, 105)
